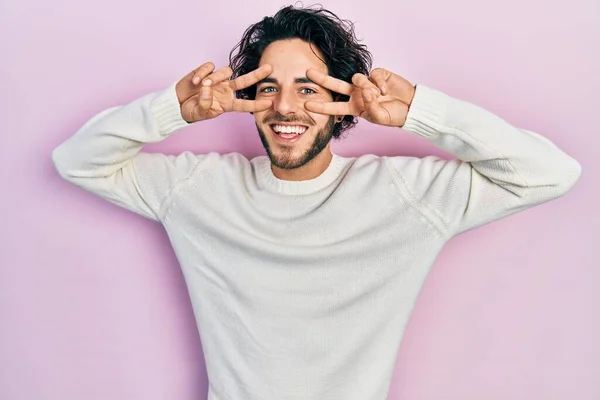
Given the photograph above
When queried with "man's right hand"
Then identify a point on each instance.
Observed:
(204, 94)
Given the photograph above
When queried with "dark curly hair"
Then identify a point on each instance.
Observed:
(334, 37)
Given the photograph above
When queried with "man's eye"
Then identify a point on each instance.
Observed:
(267, 89)
(310, 91)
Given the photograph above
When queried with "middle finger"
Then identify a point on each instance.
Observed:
(251, 78)
(329, 82)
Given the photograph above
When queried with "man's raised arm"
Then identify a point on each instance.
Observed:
(499, 170)
(104, 156)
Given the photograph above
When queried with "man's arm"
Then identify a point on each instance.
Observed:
(500, 169)
(104, 156)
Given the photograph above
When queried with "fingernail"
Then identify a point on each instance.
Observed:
(384, 90)
(195, 80)
(207, 82)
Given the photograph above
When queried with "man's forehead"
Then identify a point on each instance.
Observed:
(291, 71)
(292, 56)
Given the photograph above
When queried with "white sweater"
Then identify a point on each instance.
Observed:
(302, 289)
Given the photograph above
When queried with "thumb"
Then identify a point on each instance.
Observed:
(206, 99)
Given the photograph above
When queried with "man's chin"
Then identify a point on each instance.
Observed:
(288, 156)
(298, 154)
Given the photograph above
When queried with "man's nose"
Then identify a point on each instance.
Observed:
(286, 103)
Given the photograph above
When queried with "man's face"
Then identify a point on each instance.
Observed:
(288, 88)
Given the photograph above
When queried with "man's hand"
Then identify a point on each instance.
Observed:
(204, 94)
(382, 98)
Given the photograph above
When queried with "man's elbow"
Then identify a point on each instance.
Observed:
(570, 176)
(60, 164)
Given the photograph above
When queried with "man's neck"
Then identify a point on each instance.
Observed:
(313, 169)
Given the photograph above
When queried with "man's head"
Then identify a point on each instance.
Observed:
(293, 41)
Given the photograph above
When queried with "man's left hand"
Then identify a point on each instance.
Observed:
(382, 98)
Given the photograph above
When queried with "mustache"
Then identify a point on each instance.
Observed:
(278, 117)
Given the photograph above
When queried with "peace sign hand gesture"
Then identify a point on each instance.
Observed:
(216, 94)
(382, 98)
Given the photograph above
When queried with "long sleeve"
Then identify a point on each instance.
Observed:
(499, 170)
(104, 156)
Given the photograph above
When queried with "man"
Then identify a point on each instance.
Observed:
(303, 266)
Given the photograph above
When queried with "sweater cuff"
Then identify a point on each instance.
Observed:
(166, 111)
(427, 112)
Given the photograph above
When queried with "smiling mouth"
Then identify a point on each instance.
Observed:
(288, 129)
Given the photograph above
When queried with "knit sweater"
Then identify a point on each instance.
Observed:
(302, 289)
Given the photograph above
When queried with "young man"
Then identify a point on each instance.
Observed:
(303, 266)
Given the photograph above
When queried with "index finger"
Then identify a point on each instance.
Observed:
(329, 108)
(250, 78)
(250, 105)
(329, 82)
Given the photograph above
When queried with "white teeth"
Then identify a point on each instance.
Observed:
(297, 129)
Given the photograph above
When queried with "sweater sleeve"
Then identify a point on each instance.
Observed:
(499, 170)
(104, 156)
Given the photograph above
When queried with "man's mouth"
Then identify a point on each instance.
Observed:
(288, 130)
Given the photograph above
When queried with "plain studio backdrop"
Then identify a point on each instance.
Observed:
(92, 301)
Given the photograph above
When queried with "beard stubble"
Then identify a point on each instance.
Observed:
(284, 159)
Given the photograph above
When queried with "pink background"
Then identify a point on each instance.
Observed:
(92, 301)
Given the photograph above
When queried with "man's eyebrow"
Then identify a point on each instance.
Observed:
(267, 80)
(297, 80)
(304, 80)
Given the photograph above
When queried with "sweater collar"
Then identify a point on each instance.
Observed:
(268, 181)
